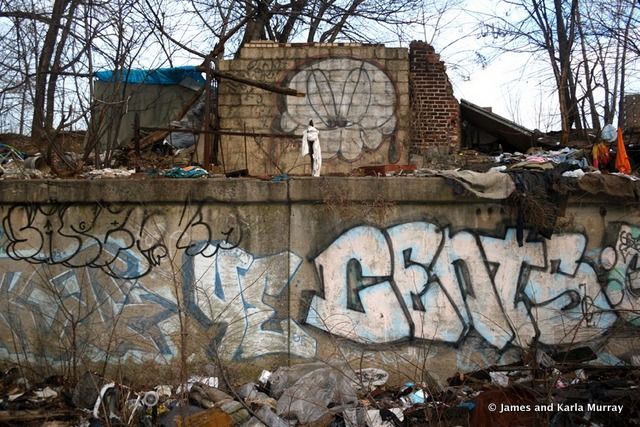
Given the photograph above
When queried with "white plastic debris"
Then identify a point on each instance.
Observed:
(544, 360)
(264, 376)
(609, 133)
(96, 407)
(499, 378)
(111, 173)
(45, 393)
(209, 381)
(578, 173)
(13, 397)
(371, 418)
(163, 391)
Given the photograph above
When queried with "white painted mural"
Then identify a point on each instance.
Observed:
(351, 102)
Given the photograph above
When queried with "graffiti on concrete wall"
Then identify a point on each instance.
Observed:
(239, 293)
(421, 281)
(352, 102)
(50, 311)
(620, 260)
(102, 281)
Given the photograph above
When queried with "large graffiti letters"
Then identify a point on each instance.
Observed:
(418, 280)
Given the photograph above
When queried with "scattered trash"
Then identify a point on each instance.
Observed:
(150, 398)
(163, 391)
(316, 394)
(44, 394)
(110, 173)
(106, 400)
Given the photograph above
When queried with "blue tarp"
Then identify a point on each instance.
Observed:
(160, 76)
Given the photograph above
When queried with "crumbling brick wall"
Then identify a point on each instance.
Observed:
(435, 111)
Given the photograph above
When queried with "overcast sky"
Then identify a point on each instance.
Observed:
(515, 85)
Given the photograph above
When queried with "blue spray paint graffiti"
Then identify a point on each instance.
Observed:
(236, 291)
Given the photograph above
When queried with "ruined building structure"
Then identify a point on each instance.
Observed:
(372, 104)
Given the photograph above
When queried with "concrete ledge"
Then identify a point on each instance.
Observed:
(363, 189)
(247, 190)
(156, 190)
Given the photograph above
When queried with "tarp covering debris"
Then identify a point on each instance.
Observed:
(159, 76)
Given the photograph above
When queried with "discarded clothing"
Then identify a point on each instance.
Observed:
(186, 172)
(622, 160)
(311, 146)
(538, 200)
(490, 185)
(611, 185)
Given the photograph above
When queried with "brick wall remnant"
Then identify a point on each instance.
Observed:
(435, 111)
(631, 114)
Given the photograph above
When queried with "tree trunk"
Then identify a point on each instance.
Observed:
(39, 132)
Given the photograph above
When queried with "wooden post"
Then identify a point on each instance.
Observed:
(244, 130)
(136, 133)
(206, 161)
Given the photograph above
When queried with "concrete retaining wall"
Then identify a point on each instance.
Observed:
(404, 273)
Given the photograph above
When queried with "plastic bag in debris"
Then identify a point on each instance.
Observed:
(609, 133)
(191, 120)
(285, 377)
(499, 378)
(369, 378)
(208, 381)
(110, 173)
(361, 417)
(309, 398)
(264, 376)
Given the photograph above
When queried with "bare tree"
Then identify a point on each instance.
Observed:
(236, 22)
(585, 46)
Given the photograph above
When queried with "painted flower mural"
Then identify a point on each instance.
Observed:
(351, 102)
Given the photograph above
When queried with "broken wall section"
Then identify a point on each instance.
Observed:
(357, 96)
(435, 111)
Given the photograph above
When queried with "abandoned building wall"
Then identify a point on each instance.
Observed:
(403, 273)
(356, 95)
(631, 114)
(435, 112)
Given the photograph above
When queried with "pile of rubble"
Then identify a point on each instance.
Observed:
(544, 392)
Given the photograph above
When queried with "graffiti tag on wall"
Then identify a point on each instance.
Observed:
(417, 280)
(101, 280)
(351, 102)
(623, 277)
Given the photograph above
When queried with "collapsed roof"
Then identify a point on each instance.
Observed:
(485, 130)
